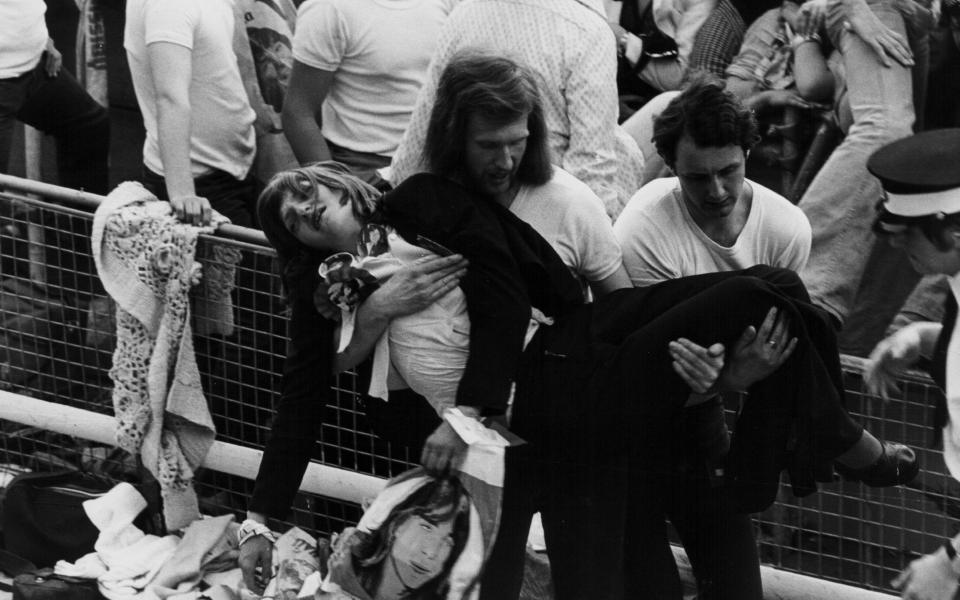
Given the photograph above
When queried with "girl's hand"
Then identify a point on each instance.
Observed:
(417, 286)
(256, 563)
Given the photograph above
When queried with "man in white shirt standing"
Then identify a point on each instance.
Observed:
(200, 138)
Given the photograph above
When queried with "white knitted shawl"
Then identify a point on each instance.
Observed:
(145, 258)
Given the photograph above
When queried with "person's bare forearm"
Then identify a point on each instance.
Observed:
(369, 325)
(813, 77)
(303, 133)
(173, 133)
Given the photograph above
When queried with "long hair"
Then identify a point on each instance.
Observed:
(297, 263)
(709, 114)
(437, 501)
(497, 89)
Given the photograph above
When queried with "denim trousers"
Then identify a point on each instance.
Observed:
(841, 199)
(60, 107)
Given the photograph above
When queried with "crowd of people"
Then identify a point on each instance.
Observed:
(536, 213)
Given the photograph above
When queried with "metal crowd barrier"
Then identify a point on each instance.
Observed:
(55, 410)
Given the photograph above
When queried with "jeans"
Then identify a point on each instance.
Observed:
(841, 199)
(60, 107)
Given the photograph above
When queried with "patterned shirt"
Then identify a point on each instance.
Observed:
(571, 49)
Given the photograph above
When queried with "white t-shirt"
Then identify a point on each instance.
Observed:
(221, 119)
(378, 51)
(661, 241)
(573, 220)
(23, 36)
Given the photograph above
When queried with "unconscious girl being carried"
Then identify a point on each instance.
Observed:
(587, 379)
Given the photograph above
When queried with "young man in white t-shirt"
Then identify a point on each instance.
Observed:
(710, 218)
(200, 139)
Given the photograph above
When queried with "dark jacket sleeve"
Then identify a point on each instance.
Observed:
(497, 301)
(299, 413)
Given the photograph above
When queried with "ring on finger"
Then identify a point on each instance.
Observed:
(772, 343)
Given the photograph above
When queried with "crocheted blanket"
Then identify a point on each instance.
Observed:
(147, 262)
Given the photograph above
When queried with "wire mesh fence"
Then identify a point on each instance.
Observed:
(59, 336)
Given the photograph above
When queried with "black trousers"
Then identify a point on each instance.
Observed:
(60, 107)
(598, 386)
(718, 539)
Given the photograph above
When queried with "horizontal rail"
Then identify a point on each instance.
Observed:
(227, 458)
(90, 202)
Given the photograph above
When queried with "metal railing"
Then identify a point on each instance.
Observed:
(845, 533)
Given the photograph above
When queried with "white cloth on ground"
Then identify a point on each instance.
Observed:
(126, 559)
(202, 542)
(88, 566)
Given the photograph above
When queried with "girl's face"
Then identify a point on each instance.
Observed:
(321, 222)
